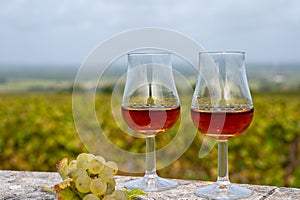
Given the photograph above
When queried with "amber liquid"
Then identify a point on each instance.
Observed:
(150, 121)
(222, 125)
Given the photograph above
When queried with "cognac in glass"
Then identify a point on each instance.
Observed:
(222, 108)
(150, 106)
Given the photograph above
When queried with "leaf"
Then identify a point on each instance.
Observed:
(62, 168)
(62, 185)
(134, 193)
(47, 189)
(67, 194)
(64, 191)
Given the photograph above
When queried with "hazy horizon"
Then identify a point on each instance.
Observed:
(62, 32)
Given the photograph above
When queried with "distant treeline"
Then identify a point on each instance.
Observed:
(261, 77)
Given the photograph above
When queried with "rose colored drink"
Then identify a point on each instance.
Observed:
(150, 121)
(222, 125)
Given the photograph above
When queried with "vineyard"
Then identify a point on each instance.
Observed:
(37, 130)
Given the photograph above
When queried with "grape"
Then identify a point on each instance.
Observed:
(98, 186)
(91, 178)
(107, 174)
(95, 166)
(76, 173)
(113, 166)
(82, 161)
(83, 183)
(90, 197)
(91, 156)
(72, 166)
(100, 158)
(109, 197)
(120, 195)
(82, 164)
(82, 156)
(110, 186)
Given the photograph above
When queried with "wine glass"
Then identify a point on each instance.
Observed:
(222, 109)
(150, 106)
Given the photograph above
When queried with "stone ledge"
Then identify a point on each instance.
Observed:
(17, 185)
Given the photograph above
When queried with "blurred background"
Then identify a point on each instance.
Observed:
(43, 43)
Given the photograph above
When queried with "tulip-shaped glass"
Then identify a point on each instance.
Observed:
(150, 106)
(222, 108)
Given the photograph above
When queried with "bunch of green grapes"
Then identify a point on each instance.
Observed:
(89, 177)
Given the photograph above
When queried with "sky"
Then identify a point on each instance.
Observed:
(59, 32)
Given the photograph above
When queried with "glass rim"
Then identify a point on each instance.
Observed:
(222, 52)
(149, 53)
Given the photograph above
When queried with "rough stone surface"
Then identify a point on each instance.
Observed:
(15, 185)
(285, 193)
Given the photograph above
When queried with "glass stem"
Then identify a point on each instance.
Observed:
(150, 157)
(223, 178)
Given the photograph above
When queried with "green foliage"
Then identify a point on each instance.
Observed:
(37, 130)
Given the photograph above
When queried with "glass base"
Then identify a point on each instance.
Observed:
(151, 184)
(218, 191)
